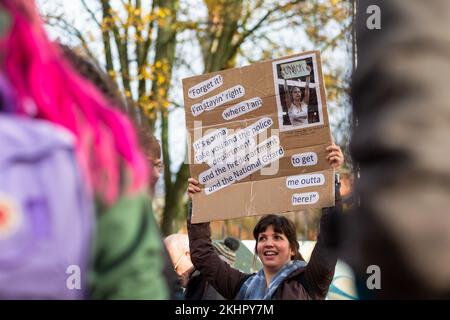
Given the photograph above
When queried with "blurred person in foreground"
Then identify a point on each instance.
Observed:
(401, 104)
(150, 145)
(126, 258)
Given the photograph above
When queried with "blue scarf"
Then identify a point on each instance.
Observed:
(254, 288)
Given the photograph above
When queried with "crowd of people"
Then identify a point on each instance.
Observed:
(77, 180)
(61, 118)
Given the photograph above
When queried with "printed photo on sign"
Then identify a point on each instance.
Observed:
(297, 90)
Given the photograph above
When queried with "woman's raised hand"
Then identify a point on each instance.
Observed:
(335, 156)
(193, 187)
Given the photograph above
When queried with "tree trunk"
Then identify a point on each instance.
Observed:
(164, 60)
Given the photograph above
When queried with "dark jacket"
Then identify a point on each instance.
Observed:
(310, 282)
(199, 289)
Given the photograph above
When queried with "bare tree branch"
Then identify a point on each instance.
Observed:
(122, 49)
(60, 22)
(91, 13)
(331, 42)
(144, 49)
(249, 12)
(276, 8)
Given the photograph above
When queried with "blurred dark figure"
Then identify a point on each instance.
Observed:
(401, 105)
(200, 289)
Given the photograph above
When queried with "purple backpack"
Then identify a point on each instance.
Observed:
(46, 213)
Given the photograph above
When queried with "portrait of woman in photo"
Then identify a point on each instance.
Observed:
(298, 103)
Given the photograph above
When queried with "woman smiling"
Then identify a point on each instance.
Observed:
(285, 274)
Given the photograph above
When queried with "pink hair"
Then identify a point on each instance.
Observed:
(106, 139)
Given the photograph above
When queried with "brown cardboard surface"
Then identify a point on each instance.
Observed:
(255, 187)
(257, 198)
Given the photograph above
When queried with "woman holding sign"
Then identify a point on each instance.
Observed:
(298, 105)
(285, 274)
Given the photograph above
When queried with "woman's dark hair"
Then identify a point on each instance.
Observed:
(149, 143)
(280, 224)
(302, 93)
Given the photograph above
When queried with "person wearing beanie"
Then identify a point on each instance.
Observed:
(227, 249)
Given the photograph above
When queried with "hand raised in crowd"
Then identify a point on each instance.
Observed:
(193, 187)
(335, 156)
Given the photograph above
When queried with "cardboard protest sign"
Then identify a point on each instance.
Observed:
(257, 137)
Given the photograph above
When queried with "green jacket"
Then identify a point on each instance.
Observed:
(127, 258)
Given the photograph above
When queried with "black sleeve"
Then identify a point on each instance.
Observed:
(320, 269)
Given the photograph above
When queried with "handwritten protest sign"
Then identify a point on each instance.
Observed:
(294, 70)
(257, 140)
